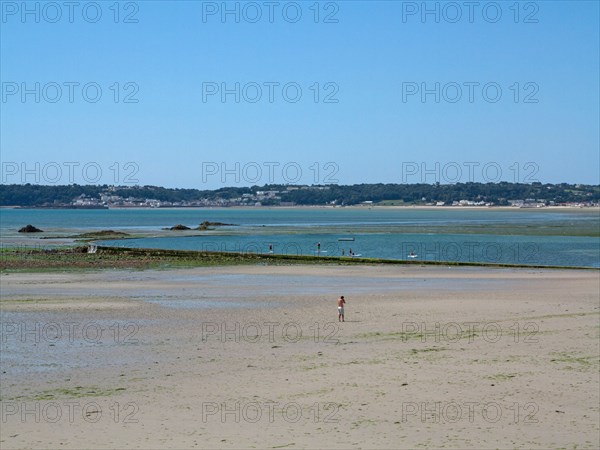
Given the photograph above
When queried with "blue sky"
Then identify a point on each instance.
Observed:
(361, 67)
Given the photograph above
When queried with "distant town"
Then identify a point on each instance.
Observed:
(535, 195)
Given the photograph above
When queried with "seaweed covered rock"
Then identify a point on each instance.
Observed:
(204, 225)
(179, 227)
(30, 229)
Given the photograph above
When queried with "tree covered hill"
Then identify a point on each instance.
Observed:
(29, 195)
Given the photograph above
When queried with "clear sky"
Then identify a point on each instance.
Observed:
(211, 94)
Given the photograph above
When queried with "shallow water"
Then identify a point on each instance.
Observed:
(513, 236)
(532, 250)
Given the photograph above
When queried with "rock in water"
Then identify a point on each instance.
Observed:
(206, 224)
(30, 229)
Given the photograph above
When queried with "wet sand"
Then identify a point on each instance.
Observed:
(254, 357)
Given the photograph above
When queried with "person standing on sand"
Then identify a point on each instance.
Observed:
(341, 302)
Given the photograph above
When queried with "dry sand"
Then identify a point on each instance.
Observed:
(429, 357)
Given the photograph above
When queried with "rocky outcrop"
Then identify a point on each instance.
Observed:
(102, 234)
(206, 224)
(30, 229)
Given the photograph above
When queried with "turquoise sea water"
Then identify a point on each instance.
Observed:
(535, 250)
(377, 232)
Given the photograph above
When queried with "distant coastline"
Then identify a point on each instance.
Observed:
(534, 195)
(300, 207)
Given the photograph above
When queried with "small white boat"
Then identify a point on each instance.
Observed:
(412, 256)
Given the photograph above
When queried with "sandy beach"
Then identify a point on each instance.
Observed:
(254, 357)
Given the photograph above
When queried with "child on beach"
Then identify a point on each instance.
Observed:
(341, 301)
